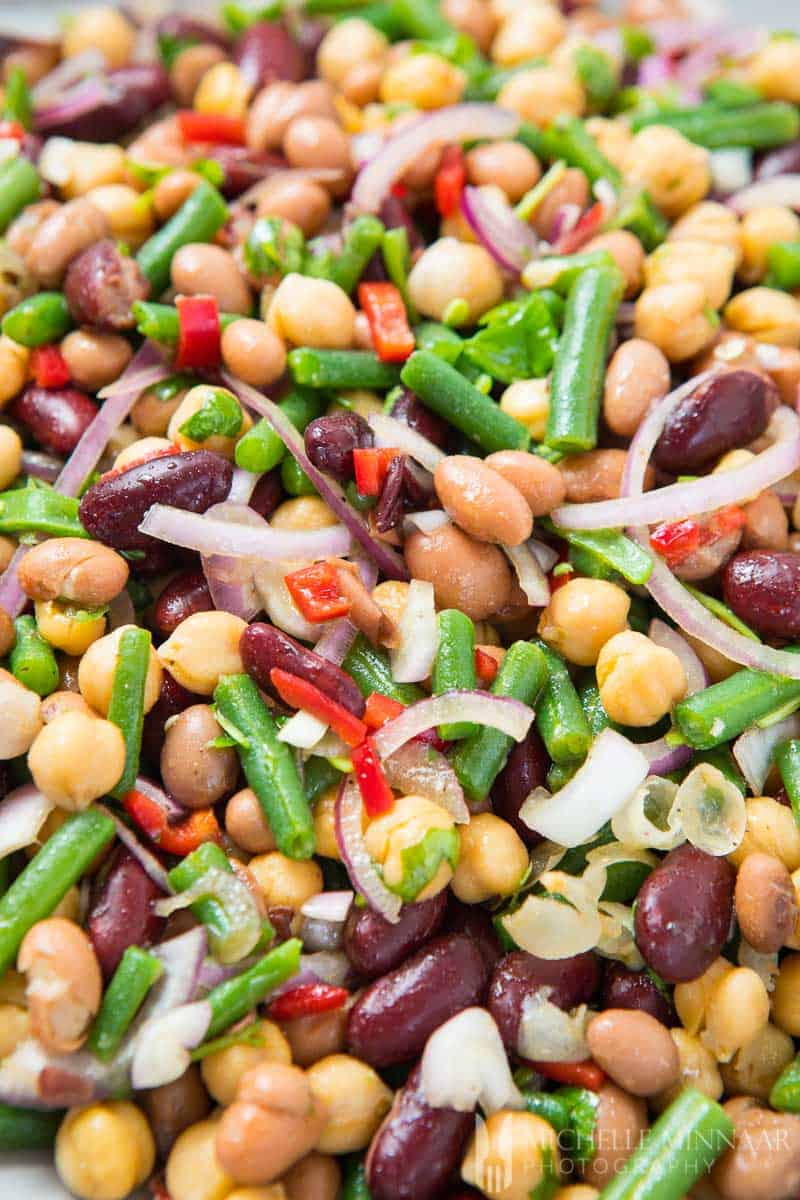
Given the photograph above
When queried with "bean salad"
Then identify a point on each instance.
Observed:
(400, 602)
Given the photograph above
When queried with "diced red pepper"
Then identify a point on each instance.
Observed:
(201, 826)
(299, 693)
(399, 190)
(380, 709)
(486, 667)
(724, 521)
(449, 182)
(307, 1000)
(585, 1074)
(199, 332)
(583, 231)
(49, 367)
(371, 465)
(388, 321)
(676, 540)
(372, 783)
(315, 590)
(211, 127)
(12, 129)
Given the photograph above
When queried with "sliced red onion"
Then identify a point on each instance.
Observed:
(464, 1064)
(418, 635)
(31, 1077)
(783, 190)
(511, 242)
(182, 958)
(209, 535)
(390, 432)
(336, 641)
(41, 466)
(328, 906)
(303, 731)
(498, 712)
(23, 812)
(457, 123)
(546, 556)
(12, 597)
(145, 858)
(564, 221)
(76, 104)
(530, 576)
(655, 70)
(613, 770)
(243, 485)
(731, 170)
(663, 758)
(425, 522)
(753, 749)
(68, 72)
(161, 1050)
(349, 815)
(664, 635)
(236, 898)
(390, 563)
(121, 611)
(418, 769)
(230, 580)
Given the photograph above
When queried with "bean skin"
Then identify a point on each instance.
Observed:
(569, 982)
(264, 647)
(187, 593)
(727, 411)
(525, 770)
(56, 417)
(266, 52)
(267, 494)
(374, 946)
(624, 988)
(763, 588)
(392, 1020)
(122, 915)
(417, 1148)
(765, 902)
(331, 440)
(411, 412)
(683, 913)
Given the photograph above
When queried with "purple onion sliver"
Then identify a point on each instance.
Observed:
(148, 862)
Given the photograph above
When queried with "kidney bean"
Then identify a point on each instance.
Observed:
(417, 1148)
(243, 167)
(624, 988)
(330, 442)
(133, 92)
(477, 925)
(390, 507)
(101, 284)
(122, 915)
(187, 593)
(525, 769)
(763, 588)
(408, 409)
(113, 508)
(56, 417)
(264, 647)
(177, 25)
(568, 981)
(266, 52)
(267, 494)
(683, 913)
(375, 946)
(172, 699)
(724, 412)
(392, 1020)
(783, 161)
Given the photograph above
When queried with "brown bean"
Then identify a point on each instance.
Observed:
(172, 190)
(620, 1125)
(246, 824)
(539, 481)
(317, 142)
(637, 375)
(198, 268)
(634, 1049)
(66, 232)
(711, 557)
(315, 1177)
(467, 574)
(766, 526)
(7, 634)
(508, 165)
(301, 201)
(482, 501)
(86, 573)
(194, 772)
(190, 66)
(764, 1163)
(627, 252)
(765, 902)
(21, 231)
(316, 1036)
(594, 475)
(153, 411)
(175, 1106)
(572, 188)
(95, 358)
(279, 103)
(253, 352)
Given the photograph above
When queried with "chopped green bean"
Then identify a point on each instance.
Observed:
(757, 126)
(319, 774)
(355, 1185)
(17, 103)
(719, 713)
(560, 272)
(32, 660)
(783, 260)
(208, 909)
(787, 760)
(234, 999)
(137, 972)
(37, 509)
(560, 718)
(639, 215)
(42, 318)
(371, 671)
(294, 479)
(446, 392)
(162, 323)
(261, 449)
(126, 708)
(785, 1094)
(454, 665)
(197, 220)
(341, 370)
(26, 1129)
(362, 238)
(593, 708)
(568, 138)
(19, 186)
(396, 255)
(617, 553)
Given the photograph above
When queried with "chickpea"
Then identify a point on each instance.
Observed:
(302, 201)
(174, 188)
(508, 165)
(95, 358)
(13, 369)
(99, 663)
(356, 1100)
(223, 1070)
(754, 1068)
(786, 997)
(540, 94)
(708, 263)
(303, 513)
(539, 481)
(510, 1155)
(582, 616)
(201, 269)
(246, 824)
(84, 167)
(491, 862)
(764, 1162)
(67, 628)
(639, 681)
(104, 1151)
(709, 222)
(738, 1009)
(448, 271)
(129, 214)
(315, 1177)
(577, 1191)
(275, 1120)
(620, 1125)
(10, 456)
(253, 352)
(325, 825)
(627, 252)
(20, 716)
(761, 227)
(285, 882)
(77, 759)
(189, 68)
(101, 28)
(528, 401)
(317, 1036)
(404, 826)
(277, 105)
(272, 1191)
(571, 188)
(312, 312)
(346, 45)
(194, 1171)
(769, 315)
(203, 648)
(613, 136)
(15, 1027)
(529, 32)
(692, 998)
(64, 986)
(70, 229)
(675, 317)
(425, 81)
(195, 400)
(675, 171)
(223, 89)
(768, 830)
(775, 70)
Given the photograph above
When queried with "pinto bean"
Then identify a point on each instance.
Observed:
(763, 588)
(637, 374)
(88, 574)
(102, 284)
(766, 526)
(765, 902)
(540, 483)
(764, 1162)
(727, 411)
(264, 647)
(63, 988)
(620, 1124)
(467, 574)
(375, 946)
(71, 229)
(594, 475)
(482, 501)
(634, 1049)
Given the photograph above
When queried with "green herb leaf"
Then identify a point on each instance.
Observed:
(18, 105)
(220, 416)
(274, 245)
(521, 345)
(613, 549)
(169, 47)
(421, 862)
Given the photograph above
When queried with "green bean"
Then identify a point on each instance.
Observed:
(26, 1129)
(197, 220)
(719, 713)
(421, 19)
(680, 1147)
(126, 708)
(42, 318)
(32, 660)
(785, 1094)
(731, 93)
(208, 909)
(642, 218)
(319, 774)
(559, 774)
(36, 509)
(783, 260)
(361, 239)
(17, 104)
(294, 479)
(787, 760)
(446, 392)
(137, 972)
(44, 882)
(341, 370)
(439, 339)
(354, 1184)
(593, 708)
(569, 139)
(576, 387)
(396, 255)
(615, 552)
(454, 665)
(478, 761)
(560, 272)
(560, 718)
(756, 127)
(161, 322)
(371, 671)
(234, 999)
(268, 764)
(19, 186)
(261, 449)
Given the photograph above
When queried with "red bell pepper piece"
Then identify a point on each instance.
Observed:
(485, 667)
(211, 127)
(371, 465)
(201, 826)
(379, 709)
(584, 230)
(299, 693)
(12, 130)
(315, 590)
(585, 1074)
(372, 783)
(48, 366)
(199, 332)
(307, 1000)
(449, 182)
(388, 322)
(676, 540)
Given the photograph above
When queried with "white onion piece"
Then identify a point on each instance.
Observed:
(237, 900)
(328, 906)
(547, 557)
(195, 531)
(336, 640)
(498, 712)
(549, 1034)
(711, 811)
(782, 190)
(731, 170)
(303, 730)
(355, 856)
(548, 928)
(161, 1051)
(390, 432)
(650, 820)
(456, 123)
(670, 639)
(464, 1064)
(32, 1077)
(243, 484)
(753, 749)
(418, 635)
(270, 580)
(145, 858)
(23, 812)
(182, 959)
(418, 769)
(617, 939)
(230, 580)
(530, 576)
(613, 770)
